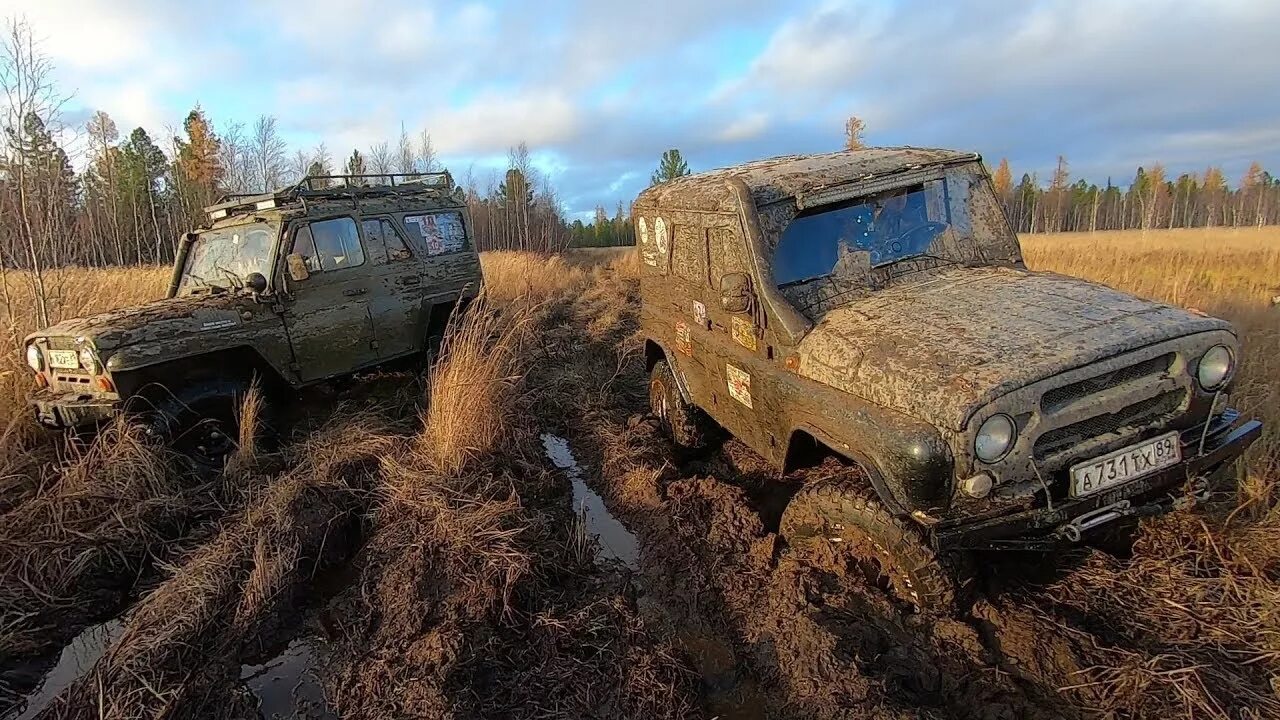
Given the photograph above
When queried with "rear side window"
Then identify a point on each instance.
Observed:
(689, 254)
(382, 234)
(440, 233)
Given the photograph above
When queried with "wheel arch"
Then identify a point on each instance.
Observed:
(807, 445)
(655, 352)
(238, 362)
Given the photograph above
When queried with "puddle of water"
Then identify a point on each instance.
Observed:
(286, 686)
(76, 659)
(615, 540)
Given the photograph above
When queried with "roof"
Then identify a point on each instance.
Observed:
(790, 176)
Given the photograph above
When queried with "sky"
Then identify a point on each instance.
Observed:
(598, 88)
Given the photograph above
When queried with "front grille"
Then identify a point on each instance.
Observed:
(1058, 398)
(1139, 414)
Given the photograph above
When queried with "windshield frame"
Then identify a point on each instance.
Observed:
(214, 280)
(977, 234)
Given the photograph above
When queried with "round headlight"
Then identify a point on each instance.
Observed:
(89, 360)
(35, 359)
(995, 438)
(1215, 367)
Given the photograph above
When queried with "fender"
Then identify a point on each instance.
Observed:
(655, 351)
(142, 356)
(910, 463)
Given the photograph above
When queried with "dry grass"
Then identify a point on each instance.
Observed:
(1193, 619)
(1231, 273)
(511, 276)
(73, 292)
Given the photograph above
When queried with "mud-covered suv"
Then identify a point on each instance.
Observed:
(873, 305)
(331, 276)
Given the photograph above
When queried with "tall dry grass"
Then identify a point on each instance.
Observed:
(1233, 273)
(73, 292)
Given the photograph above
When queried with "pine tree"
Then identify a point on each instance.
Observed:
(670, 167)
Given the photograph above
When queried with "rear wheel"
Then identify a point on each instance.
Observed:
(838, 520)
(687, 425)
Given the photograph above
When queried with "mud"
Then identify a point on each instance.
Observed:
(616, 542)
(76, 659)
(289, 684)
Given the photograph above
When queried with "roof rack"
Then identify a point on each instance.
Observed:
(335, 187)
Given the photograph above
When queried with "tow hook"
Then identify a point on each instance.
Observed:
(1075, 530)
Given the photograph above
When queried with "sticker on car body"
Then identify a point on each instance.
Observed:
(700, 313)
(744, 333)
(739, 384)
(684, 343)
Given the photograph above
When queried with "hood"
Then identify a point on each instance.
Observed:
(941, 348)
(167, 318)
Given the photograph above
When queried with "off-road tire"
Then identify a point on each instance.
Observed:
(194, 408)
(844, 514)
(686, 424)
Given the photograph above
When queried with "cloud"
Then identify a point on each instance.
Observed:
(599, 89)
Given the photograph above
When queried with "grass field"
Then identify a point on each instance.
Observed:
(414, 525)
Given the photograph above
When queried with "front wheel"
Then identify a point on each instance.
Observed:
(201, 420)
(843, 516)
(686, 424)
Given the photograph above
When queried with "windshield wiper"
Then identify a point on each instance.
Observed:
(236, 282)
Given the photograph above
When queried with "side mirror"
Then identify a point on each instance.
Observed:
(736, 295)
(257, 282)
(297, 266)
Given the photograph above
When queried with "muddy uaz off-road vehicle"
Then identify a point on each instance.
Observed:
(873, 305)
(331, 276)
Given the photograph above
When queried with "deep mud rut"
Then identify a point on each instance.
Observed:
(585, 569)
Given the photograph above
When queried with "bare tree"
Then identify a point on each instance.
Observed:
(31, 115)
(267, 149)
(404, 152)
(427, 160)
(853, 129)
(380, 158)
(233, 156)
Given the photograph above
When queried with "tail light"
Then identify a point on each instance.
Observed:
(104, 384)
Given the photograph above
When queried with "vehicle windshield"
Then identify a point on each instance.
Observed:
(225, 257)
(837, 253)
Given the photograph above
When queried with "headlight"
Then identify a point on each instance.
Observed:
(1215, 367)
(89, 361)
(35, 359)
(995, 438)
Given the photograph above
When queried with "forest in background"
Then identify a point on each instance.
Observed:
(132, 194)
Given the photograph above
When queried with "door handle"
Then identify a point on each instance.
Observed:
(352, 292)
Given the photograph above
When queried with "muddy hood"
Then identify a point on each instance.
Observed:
(940, 348)
(162, 319)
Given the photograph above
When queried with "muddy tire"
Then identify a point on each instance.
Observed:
(842, 515)
(685, 423)
(200, 420)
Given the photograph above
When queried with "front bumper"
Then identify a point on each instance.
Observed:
(65, 411)
(1225, 441)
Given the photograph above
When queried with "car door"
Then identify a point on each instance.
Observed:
(737, 356)
(398, 299)
(327, 314)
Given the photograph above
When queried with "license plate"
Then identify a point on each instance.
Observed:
(1125, 464)
(65, 359)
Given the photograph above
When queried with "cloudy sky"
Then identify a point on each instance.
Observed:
(600, 88)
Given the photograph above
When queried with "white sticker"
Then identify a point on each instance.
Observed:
(660, 236)
(644, 232)
(700, 313)
(739, 384)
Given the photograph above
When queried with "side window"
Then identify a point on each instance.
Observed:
(337, 244)
(306, 247)
(689, 254)
(726, 251)
(440, 233)
(383, 235)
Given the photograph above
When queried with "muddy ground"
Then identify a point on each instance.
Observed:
(583, 568)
